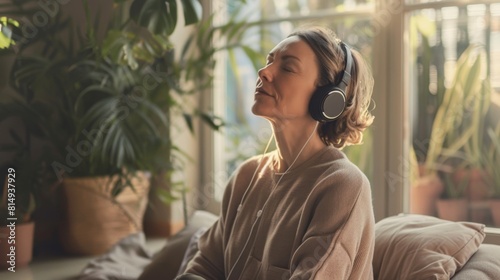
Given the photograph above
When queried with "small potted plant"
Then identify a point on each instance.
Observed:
(492, 162)
(453, 205)
(23, 177)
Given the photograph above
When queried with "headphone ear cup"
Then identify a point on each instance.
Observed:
(327, 103)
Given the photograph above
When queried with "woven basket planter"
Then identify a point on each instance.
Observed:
(94, 220)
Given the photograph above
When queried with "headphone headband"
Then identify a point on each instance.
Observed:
(346, 77)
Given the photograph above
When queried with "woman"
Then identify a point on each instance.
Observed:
(303, 211)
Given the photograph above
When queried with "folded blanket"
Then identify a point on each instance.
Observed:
(130, 259)
(124, 261)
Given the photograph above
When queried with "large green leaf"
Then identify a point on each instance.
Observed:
(453, 130)
(189, 121)
(157, 112)
(192, 11)
(6, 32)
(158, 16)
(213, 121)
(148, 123)
(254, 56)
(100, 114)
(114, 43)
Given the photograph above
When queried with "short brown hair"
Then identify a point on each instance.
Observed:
(348, 128)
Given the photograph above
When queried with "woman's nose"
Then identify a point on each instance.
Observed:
(264, 73)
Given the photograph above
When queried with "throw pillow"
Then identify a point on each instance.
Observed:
(423, 247)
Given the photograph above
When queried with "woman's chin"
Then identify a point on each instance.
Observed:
(259, 111)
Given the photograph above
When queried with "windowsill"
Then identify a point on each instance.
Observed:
(492, 236)
(63, 267)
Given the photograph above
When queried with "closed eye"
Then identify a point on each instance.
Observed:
(287, 67)
(269, 59)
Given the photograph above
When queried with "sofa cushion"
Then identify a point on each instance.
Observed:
(423, 247)
(484, 264)
(167, 261)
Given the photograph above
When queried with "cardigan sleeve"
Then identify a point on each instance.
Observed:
(209, 260)
(339, 241)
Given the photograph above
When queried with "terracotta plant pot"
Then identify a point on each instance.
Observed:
(94, 222)
(495, 211)
(22, 234)
(477, 190)
(424, 194)
(453, 209)
(158, 219)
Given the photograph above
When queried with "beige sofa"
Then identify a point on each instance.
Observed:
(407, 247)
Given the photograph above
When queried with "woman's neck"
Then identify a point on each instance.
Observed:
(292, 139)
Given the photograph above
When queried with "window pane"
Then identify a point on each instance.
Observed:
(455, 107)
(305, 7)
(246, 134)
(420, 1)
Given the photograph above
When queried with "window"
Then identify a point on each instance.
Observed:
(454, 109)
(414, 48)
(245, 134)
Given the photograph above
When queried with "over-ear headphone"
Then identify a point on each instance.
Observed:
(328, 102)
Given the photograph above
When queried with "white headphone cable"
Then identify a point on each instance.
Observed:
(255, 172)
(259, 213)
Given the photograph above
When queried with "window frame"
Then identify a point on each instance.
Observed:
(492, 234)
(391, 129)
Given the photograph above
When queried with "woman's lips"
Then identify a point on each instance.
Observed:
(261, 91)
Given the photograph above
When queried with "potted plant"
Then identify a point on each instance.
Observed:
(106, 105)
(195, 68)
(451, 129)
(468, 137)
(426, 187)
(24, 176)
(16, 226)
(453, 205)
(491, 158)
(454, 132)
(103, 105)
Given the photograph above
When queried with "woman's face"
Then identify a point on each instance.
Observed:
(286, 83)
